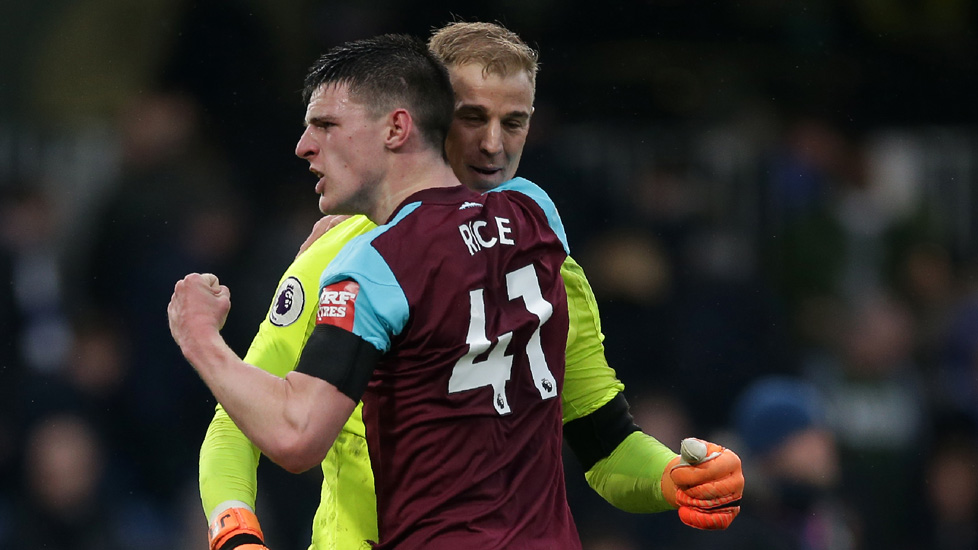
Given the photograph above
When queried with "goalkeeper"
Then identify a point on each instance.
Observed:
(493, 73)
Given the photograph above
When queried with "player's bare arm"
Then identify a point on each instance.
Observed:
(293, 420)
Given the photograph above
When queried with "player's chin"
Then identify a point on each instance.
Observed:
(326, 206)
(481, 180)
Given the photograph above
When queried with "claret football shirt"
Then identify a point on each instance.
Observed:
(462, 294)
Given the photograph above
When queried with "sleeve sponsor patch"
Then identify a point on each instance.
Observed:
(337, 304)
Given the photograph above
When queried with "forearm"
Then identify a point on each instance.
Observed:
(277, 414)
(228, 464)
(630, 476)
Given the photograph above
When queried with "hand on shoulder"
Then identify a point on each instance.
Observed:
(322, 226)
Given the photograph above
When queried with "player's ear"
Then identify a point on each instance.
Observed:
(400, 126)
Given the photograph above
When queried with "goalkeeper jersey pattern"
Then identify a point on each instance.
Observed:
(346, 516)
(462, 292)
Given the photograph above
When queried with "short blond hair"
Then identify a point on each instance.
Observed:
(499, 50)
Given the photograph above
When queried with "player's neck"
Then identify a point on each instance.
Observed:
(412, 176)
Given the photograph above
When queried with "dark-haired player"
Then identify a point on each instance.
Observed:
(452, 310)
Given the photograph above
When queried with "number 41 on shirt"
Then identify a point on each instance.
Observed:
(495, 370)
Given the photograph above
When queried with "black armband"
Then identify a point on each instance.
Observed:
(341, 358)
(594, 436)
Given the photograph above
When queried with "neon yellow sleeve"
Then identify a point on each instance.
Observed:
(228, 465)
(228, 460)
(589, 382)
(629, 477)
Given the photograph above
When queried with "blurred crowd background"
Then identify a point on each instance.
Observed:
(775, 201)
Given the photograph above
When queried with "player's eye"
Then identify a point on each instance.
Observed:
(470, 117)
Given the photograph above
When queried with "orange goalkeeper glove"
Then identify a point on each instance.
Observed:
(236, 529)
(706, 483)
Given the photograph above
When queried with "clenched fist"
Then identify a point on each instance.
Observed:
(199, 303)
(708, 491)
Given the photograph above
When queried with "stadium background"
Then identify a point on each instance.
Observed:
(755, 188)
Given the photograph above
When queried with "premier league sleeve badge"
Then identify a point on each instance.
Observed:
(290, 298)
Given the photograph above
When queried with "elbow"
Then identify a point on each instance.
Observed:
(297, 453)
(296, 466)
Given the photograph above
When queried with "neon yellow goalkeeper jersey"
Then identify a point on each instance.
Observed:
(346, 517)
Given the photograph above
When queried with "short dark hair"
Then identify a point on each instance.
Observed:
(390, 71)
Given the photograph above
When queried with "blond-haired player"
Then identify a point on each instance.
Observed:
(493, 74)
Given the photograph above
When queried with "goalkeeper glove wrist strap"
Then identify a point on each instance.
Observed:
(234, 527)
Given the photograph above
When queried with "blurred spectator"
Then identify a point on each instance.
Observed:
(33, 317)
(65, 506)
(925, 278)
(729, 325)
(29, 235)
(97, 382)
(878, 412)
(91, 393)
(633, 282)
(950, 481)
(806, 257)
(957, 375)
(793, 500)
(238, 61)
(171, 212)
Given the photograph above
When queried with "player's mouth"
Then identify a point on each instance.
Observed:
(486, 171)
(321, 184)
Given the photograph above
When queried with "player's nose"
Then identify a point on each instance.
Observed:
(492, 139)
(306, 147)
